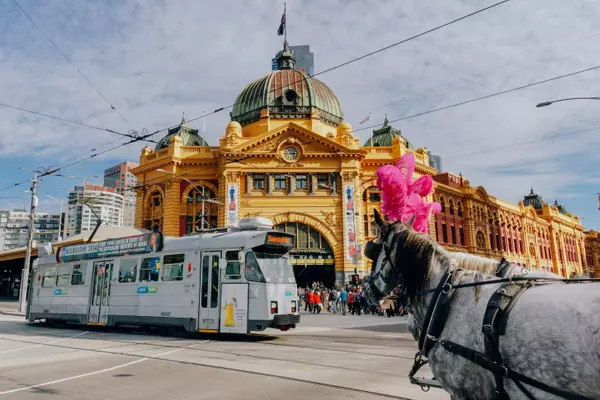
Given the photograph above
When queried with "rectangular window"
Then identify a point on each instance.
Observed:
(49, 277)
(259, 181)
(301, 182)
(444, 234)
(150, 269)
(280, 182)
(323, 181)
(173, 267)
(302, 237)
(232, 271)
(374, 197)
(462, 236)
(78, 275)
(128, 270)
(453, 233)
(63, 276)
(314, 239)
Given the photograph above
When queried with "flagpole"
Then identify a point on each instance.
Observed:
(285, 24)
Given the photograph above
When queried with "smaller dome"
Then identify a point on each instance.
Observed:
(384, 136)
(561, 208)
(534, 200)
(234, 125)
(188, 136)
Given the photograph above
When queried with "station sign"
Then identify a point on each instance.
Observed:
(145, 243)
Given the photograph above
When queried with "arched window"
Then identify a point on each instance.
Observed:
(443, 204)
(460, 209)
(153, 220)
(451, 206)
(201, 200)
(480, 240)
(532, 249)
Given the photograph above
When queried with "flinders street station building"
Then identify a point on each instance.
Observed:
(288, 155)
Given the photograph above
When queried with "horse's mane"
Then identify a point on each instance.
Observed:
(419, 251)
(472, 262)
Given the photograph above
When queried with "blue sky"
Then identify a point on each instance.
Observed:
(156, 59)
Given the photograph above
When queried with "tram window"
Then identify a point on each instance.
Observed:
(49, 277)
(233, 265)
(78, 277)
(128, 270)
(63, 276)
(252, 269)
(150, 269)
(214, 291)
(205, 261)
(173, 267)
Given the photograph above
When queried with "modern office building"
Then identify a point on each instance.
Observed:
(120, 178)
(105, 202)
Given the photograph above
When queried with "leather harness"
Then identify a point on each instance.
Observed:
(494, 325)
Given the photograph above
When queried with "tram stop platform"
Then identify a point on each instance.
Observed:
(10, 307)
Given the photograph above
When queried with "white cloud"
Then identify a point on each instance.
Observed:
(156, 59)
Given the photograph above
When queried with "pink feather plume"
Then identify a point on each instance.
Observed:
(402, 197)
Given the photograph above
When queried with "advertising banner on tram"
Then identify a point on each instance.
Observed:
(145, 243)
(234, 308)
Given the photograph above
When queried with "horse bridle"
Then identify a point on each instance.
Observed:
(372, 252)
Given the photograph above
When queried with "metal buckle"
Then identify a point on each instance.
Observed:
(446, 288)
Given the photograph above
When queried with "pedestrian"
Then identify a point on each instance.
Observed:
(343, 298)
(333, 300)
(310, 296)
(318, 305)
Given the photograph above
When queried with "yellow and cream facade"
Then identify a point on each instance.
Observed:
(288, 155)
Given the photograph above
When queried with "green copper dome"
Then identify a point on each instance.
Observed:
(561, 208)
(383, 136)
(287, 93)
(534, 200)
(188, 136)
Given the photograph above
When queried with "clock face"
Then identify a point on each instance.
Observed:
(290, 154)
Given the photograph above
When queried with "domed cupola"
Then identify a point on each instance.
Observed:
(385, 135)
(534, 200)
(287, 93)
(189, 136)
(561, 208)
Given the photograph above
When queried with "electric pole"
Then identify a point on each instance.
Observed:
(26, 267)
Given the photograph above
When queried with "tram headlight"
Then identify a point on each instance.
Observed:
(293, 306)
(273, 307)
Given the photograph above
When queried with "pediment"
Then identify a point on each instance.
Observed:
(292, 133)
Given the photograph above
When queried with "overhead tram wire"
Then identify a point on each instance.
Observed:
(134, 137)
(346, 62)
(73, 65)
(481, 98)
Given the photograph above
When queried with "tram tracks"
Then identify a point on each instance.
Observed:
(104, 350)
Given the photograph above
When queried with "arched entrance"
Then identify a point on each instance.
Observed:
(312, 256)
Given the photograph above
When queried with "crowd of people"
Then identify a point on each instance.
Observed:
(316, 298)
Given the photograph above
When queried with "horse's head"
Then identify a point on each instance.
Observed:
(397, 253)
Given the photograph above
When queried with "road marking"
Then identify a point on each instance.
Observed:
(91, 373)
(42, 344)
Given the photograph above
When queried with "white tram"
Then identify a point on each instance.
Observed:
(234, 280)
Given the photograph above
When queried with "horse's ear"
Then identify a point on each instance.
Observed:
(411, 221)
(377, 217)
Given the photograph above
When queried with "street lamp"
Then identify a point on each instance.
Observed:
(547, 103)
(203, 198)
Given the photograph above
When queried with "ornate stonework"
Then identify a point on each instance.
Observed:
(330, 218)
(232, 177)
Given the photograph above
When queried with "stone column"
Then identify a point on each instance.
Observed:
(248, 182)
(292, 182)
(333, 183)
(171, 208)
(269, 183)
(313, 183)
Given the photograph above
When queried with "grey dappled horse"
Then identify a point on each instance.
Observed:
(552, 332)
(486, 266)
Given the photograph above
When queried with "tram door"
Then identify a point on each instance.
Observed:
(208, 318)
(99, 304)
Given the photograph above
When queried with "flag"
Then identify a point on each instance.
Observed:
(366, 119)
(281, 26)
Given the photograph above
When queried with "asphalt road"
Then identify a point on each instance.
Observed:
(326, 357)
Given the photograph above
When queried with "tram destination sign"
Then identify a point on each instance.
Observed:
(145, 243)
